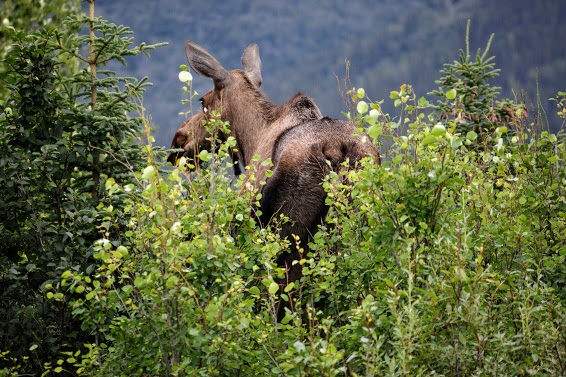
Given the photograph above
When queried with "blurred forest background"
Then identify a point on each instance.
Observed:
(304, 45)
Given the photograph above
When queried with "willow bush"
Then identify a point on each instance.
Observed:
(444, 260)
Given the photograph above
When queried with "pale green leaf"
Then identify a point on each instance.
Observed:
(149, 172)
(471, 135)
(204, 155)
(289, 286)
(429, 139)
(451, 94)
(254, 290)
(273, 288)
(375, 131)
(438, 130)
(185, 76)
(362, 107)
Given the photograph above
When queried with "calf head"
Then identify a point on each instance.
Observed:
(192, 137)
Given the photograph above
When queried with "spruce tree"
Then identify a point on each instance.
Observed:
(63, 134)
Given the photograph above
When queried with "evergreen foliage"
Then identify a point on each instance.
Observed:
(29, 16)
(470, 100)
(62, 134)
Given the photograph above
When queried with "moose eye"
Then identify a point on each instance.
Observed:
(201, 100)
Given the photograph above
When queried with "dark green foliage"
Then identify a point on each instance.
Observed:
(469, 101)
(28, 16)
(55, 153)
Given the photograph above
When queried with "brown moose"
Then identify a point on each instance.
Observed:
(303, 146)
(193, 137)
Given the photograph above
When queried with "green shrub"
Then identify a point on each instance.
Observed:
(442, 261)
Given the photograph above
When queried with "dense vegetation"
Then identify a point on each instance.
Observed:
(448, 259)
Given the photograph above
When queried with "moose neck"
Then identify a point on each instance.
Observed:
(256, 122)
(250, 115)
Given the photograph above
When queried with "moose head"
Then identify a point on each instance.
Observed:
(193, 137)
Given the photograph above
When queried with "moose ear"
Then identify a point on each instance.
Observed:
(206, 65)
(252, 63)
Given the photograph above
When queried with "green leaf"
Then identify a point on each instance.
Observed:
(422, 102)
(362, 107)
(299, 346)
(254, 290)
(289, 286)
(172, 281)
(273, 287)
(139, 282)
(451, 94)
(522, 200)
(471, 135)
(397, 159)
(438, 130)
(185, 76)
(149, 172)
(127, 289)
(553, 159)
(375, 131)
(429, 139)
(204, 155)
(373, 115)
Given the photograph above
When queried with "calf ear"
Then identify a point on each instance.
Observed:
(206, 65)
(252, 63)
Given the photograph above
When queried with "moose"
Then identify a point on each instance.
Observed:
(303, 147)
(193, 137)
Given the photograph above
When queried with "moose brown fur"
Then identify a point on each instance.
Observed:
(303, 146)
(192, 137)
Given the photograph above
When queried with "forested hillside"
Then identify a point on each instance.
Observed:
(304, 45)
